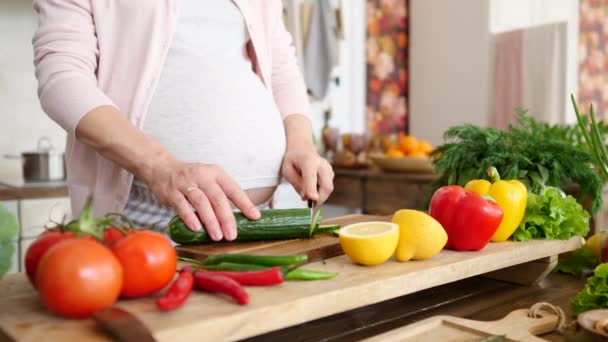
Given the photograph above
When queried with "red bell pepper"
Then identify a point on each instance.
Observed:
(469, 219)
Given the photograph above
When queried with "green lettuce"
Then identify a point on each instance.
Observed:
(577, 262)
(552, 215)
(8, 231)
(595, 293)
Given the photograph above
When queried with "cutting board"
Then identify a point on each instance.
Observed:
(23, 318)
(516, 326)
(322, 246)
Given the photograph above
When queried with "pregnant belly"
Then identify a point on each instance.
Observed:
(260, 196)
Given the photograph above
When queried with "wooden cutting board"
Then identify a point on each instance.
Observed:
(23, 318)
(516, 326)
(322, 246)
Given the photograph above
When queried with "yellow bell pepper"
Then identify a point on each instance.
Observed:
(511, 196)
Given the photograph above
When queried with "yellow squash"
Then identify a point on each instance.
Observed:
(511, 196)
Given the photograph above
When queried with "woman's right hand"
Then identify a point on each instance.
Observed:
(207, 189)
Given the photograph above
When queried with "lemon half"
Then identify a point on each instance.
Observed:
(369, 243)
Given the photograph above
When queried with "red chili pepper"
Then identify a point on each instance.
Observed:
(178, 292)
(267, 277)
(208, 281)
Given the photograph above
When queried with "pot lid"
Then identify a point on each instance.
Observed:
(44, 147)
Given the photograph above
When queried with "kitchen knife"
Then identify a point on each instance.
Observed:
(122, 325)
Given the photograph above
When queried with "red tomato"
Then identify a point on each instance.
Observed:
(112, 235)
(37, 250)
(77, 277)
(148, 260)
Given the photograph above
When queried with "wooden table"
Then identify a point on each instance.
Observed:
(380, 193)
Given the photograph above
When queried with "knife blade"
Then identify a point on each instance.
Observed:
(313, 209)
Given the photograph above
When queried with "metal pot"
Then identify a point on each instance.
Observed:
(43, 165)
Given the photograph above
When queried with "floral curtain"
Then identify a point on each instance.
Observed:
(593, 56)
(387, 66)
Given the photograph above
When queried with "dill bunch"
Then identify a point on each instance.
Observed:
(537, 154)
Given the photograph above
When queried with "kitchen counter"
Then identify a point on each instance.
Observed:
(18, 190)
(35, 204)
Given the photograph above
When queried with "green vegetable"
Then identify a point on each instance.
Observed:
(595, 293)
(570, 134)
(275, 224)
(524, 152)
(262, 260)
(593, 137)
(8, 231)
(552, 215)
(577, 262)
(314, 223)
(231, 266)
(304, 274)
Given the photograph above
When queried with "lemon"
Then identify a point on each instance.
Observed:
(420, 235)
(369, 243)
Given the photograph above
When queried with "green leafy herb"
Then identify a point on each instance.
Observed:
(570, 134)
(537, 154)
(577, 262)
(8, 231)
(595, 293)
(552, 215)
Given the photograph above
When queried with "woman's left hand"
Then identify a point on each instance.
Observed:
(310, 174)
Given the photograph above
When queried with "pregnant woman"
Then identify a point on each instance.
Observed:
(177, 106)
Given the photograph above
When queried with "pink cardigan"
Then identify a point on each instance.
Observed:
(93, 53)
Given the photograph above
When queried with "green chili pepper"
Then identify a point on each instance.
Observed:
(288, 273)
(231, 266)
(304, 274)
(264, 260)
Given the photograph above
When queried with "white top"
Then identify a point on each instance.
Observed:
(209, 105)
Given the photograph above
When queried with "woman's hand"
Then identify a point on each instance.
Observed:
(310, 174)
(205, 187)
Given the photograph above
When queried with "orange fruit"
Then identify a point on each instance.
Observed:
(394, 152)
(425, 146)
(388, 142)
(408, 144)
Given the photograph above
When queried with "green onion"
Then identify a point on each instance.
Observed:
(593, 138)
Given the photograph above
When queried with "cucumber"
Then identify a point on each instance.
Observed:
(274, 224)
